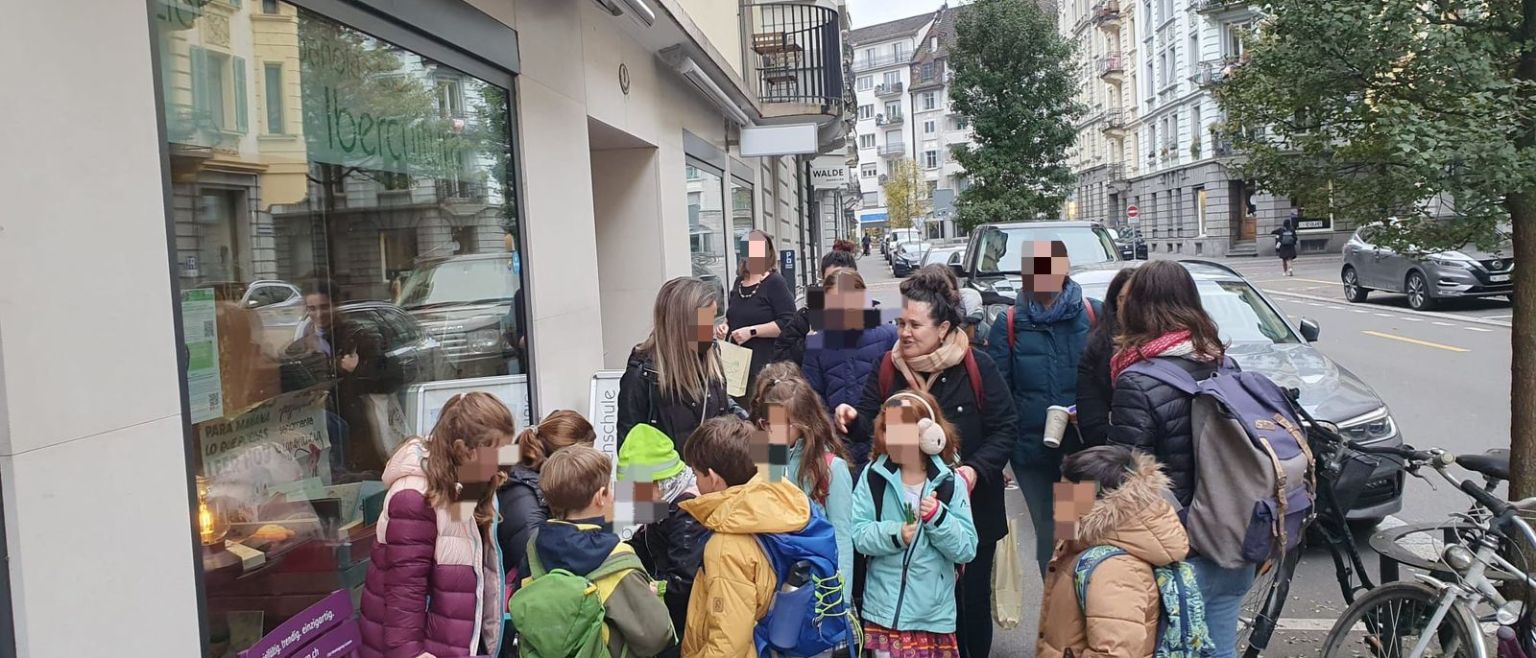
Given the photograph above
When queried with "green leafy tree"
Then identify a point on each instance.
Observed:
(905, 194)
(1416, 109)
(1016, 80)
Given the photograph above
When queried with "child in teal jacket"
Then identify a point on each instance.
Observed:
(788, 407)
(912, 517)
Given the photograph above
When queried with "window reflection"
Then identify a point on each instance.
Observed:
(347, 248)
(706, 227)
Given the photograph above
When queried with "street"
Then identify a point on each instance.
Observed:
(1445, 376)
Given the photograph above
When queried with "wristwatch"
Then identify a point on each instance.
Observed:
(754, 331)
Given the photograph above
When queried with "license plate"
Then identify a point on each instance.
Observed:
(1498, 278)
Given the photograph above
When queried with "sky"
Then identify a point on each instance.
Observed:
(870, 12)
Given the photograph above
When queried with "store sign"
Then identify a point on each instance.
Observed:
(829, 173)
(326, 629)
(1314, 223)
(284, 436)
(603, 410)
(872, 218)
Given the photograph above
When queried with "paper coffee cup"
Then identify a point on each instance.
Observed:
(1055, 425)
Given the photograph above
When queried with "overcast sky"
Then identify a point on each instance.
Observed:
(870, 12)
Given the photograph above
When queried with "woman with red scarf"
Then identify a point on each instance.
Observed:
(1161, 318)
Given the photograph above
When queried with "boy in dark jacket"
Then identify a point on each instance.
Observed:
(672, 546)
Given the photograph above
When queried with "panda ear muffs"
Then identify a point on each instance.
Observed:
(931, 437)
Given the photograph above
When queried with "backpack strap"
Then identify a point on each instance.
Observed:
(1012, 339)
(1087, 561)
(974, 374)
(1093, 313)
(1168, 373)
(877, 486)
(616, 563)
(535, 565)
(886, 378)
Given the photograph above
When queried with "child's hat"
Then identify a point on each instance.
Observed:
(648, 456)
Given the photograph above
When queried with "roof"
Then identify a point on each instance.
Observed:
(1201, 270)
(943, 28)
(886, 31)
(1045, 224)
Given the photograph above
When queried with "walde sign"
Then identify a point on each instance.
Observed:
(829, 173)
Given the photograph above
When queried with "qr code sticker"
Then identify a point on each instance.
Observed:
(208, 327)
(213, 399)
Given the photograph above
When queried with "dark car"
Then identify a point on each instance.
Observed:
(1131, 245)
(995, 252)
(407, 346)
(1263, 341)
(467, 304)
(908, 256)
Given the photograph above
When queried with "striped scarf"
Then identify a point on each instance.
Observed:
(1176, 343)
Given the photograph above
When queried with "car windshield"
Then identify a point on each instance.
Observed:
(459, 281)
(1241, 315)
(1003, 249)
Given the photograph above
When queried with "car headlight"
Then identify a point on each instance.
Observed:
(485, 340)
(1452, 262)
(1375, 426)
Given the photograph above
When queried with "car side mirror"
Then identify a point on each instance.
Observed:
(252, 303)
(959, 271)
(1310, 330)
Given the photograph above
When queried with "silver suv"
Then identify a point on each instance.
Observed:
(1425, 278)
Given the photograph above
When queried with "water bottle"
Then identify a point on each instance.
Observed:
(791, 606)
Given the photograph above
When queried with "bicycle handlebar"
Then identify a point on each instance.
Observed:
(1488, 500)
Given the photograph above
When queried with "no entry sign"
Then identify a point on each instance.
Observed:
(1131, 213)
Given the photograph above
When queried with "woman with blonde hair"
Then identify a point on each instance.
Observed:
(674, 380)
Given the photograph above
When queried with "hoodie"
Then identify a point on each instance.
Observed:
(1123, 602)
(434, 582)
(637, 623)
(735, 585)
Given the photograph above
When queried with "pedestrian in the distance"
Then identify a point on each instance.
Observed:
(1285, 243)
(1038, 355)
(762, 302)
(1095, 388)
(674, 380)
(866, 244)
(934, 355)
(1163, 319)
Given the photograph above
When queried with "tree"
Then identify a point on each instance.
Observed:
(1416, 109)
(906, 195)
(1016, 80)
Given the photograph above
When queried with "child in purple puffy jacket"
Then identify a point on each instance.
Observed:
(435, 585)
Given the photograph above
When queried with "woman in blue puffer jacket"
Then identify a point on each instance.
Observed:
(847, 351)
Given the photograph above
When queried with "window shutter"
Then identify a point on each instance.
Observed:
(241, 111)
(199, 83)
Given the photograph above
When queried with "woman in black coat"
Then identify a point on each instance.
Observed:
(934, 354)
(761, 304)
(674, 380)
(1094, 386)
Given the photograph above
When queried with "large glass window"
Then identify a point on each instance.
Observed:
(344, 270)
(706, 227)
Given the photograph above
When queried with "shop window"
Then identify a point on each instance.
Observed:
(330, 303)
(742, 221)
(706, 227)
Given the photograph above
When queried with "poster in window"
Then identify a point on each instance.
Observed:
(205, 390)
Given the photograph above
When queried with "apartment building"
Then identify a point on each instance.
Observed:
(1150, 138)
(464, 195)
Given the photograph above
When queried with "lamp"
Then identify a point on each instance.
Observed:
(211, 528)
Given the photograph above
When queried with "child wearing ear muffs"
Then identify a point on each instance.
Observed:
(914, 523)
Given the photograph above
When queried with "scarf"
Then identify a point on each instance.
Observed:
(1066, 305)
(678, 485)
(949, 353)
(1175, 343)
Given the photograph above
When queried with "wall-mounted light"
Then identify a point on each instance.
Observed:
(638, 10)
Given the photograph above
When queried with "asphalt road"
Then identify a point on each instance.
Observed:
(1445, 376)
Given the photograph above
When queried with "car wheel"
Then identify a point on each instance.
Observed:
(1418, 292)
(1352, 290)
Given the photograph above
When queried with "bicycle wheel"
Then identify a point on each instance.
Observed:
(1263, 605)
(1389, 622)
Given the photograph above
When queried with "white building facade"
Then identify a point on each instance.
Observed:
(488, 192)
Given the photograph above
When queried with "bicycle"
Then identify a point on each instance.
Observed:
(1439, 616)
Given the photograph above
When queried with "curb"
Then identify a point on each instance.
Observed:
(1390, 309)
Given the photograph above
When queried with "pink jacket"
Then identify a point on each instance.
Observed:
(434, 583)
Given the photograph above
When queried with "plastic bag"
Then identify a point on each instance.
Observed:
(1008, 582)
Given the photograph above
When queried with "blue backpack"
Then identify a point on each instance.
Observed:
(808, 616)
(1254, 483)
(1181, 629)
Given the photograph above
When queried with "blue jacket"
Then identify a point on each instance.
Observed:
(839, 509)
(924, 588)
(1041, 369)
(837, 363)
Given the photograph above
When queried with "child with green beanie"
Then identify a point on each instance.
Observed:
(672, 547)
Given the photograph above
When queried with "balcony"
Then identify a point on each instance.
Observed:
(1225, 10)
(1107, 15)
(889, 119)
(893, 149)
(863, 64)
(889, 89)
(1215, 71)
(1112, 67)
(797, 59)
(1115, 178)
(1114, 122)
(1223, 148)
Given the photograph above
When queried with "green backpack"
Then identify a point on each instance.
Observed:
(1181, 629)
(559, 614)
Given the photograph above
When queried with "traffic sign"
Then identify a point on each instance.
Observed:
(1131, 212)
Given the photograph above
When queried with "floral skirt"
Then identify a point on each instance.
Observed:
(910, 644)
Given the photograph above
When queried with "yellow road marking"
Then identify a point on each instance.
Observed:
(1421, 343)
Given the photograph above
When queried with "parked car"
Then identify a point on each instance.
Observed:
(466, 303)
(279, 305)
(943, 254)
(1425, 278)
(1263, 340)
(996, 251)
(895, 237)
(909, 256)
(1131, 245)
(407, 345)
